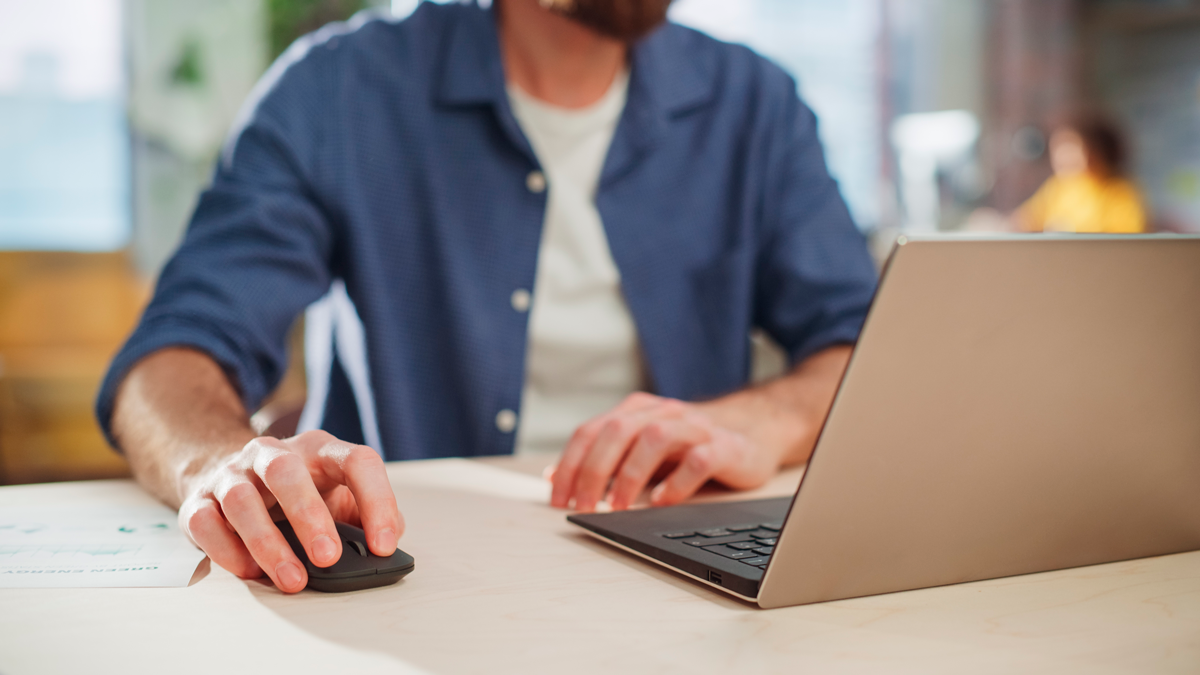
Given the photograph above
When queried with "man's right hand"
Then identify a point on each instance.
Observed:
(315, 479)
(180, 423)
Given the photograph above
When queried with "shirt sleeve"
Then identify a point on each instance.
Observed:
(816, 278)
(256, 252)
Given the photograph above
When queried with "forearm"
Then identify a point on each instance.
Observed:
(785, 415)
(176, 414)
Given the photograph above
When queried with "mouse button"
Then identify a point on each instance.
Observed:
(348, 566)
(395, 562)
(327, 574)
(351, 564)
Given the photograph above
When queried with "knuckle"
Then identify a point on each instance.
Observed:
(584, 431)
(380, 504)
(202, 518)
(316, 438)
(362, 458)
(313, 513)
(280, 466)
(700, 461)
(239, 496)
(582, 438)
(699, 420)
(656, 434)
(259, 445)
(626, 479)
(673, 407)
(238, 462)
(366, 455)
(591, 474)
(264, 547)
(617, 426)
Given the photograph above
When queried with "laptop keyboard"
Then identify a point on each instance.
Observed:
(750, 544)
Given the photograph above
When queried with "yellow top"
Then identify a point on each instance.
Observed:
(1087, 204)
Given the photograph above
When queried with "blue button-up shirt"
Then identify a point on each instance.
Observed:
(385, 153)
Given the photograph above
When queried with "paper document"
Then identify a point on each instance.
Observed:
(93, 547)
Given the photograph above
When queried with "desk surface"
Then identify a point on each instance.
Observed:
(504, 584)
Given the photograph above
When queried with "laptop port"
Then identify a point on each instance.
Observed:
(714, 577)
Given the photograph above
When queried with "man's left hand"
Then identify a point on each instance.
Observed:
(739, 440)
(630, 444)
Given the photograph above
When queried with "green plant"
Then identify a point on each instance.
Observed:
(289, 19)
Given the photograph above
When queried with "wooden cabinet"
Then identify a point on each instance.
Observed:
(62, 317)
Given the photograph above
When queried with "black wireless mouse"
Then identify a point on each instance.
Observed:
(357, 569)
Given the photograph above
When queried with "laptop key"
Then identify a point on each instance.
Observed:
(741, 528)
(777, 526)
(679, 535)
(765, 550)
(730, 552)
(744, 545)
(757, 562)
(714, 532)
(719, 540)
(770, 541)
(762, 534)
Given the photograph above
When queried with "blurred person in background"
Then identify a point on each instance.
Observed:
(558, 221)
(1089, 191)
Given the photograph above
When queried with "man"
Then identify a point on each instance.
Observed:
(540, 210)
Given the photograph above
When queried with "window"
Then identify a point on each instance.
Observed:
(64, 148)
(830, 47)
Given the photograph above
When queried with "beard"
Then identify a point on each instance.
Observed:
(624, 20)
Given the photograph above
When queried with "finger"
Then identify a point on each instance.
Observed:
(572, 457)
(594, 474)
(340, 502)
(697, 466)
(565, 473)
(612, 445)
(657, 442)
(244, 509)
(286, 476)
(361, 469)
(202, 521)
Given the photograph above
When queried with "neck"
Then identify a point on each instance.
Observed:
(553, 58)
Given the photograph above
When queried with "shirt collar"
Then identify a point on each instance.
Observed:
(664, 79)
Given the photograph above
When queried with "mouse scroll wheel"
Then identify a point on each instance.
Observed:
(357, 547)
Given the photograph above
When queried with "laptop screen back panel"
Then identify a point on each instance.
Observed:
(1012, 406)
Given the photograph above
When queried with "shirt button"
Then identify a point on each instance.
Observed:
(536, 182)
(520, 300)
(506, 421)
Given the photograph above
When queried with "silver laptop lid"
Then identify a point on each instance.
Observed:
(1013, 405)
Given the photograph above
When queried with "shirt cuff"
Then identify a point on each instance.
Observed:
(164, 332)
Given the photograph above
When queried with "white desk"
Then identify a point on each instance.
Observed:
(504, 584)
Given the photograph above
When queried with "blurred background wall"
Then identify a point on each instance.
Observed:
(113, 111)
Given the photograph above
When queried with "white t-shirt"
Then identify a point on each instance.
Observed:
(583, 354)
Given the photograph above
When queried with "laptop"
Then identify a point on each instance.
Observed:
(1013, 405)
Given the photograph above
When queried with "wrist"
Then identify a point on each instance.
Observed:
(195, 469)
(777, 434)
